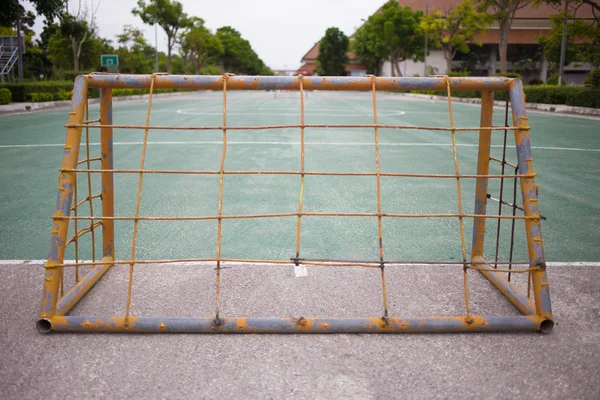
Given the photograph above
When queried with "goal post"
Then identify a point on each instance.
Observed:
(57, 300)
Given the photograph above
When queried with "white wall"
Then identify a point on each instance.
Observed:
(410, 68)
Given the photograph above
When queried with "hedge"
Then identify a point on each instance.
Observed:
(569, 95)
(61, 90)
(22, 91)
(5, 96)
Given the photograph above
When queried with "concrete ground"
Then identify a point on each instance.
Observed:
(563, 364)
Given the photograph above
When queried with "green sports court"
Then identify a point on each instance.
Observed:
(566, 151)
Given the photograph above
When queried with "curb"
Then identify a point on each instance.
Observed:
(26, 107)
(553, 108)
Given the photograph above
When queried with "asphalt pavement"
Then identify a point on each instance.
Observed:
(563, 364)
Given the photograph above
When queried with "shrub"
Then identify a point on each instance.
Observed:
(210, 70)
(509, 75)
(62, 95)
(594, 79)
(133, 92)
(21, 91)
(39, 97)
(585, 98)
(546, 94)
(552, 80)
(535, 82)
(459, 73)
(5, 96)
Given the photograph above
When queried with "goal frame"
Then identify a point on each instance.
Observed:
(537, 313)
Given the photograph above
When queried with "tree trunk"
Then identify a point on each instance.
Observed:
(395, 68)
(504, 29)
(169, 48)
(448, 57)
(75, 57)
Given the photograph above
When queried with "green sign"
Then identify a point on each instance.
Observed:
(109, 60)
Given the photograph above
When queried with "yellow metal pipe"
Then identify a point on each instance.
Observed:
(106, 149)
(483, 168)
(66, 183)
(341, 83)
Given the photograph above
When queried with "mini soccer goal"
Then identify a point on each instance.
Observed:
(67, 282)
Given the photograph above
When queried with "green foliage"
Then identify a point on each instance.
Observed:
(364, 45)
(455, 29)
(459, 73)
(332, 58)
(168, 14)
(40, 97)
(593, 79)
(12, 10)
(58, 43)
(199, 47)
(535, 82)
(550, 94)
(545, 94)
(60, 90)
(585, 98)
(552, 80)
(61, 95)
(210, 70)
(238, 56)
(583, 41)
(137, 92)
(503, 12)
(21, 91)
(136, 56)
(394, 33)
(5, 96)
(509, 75)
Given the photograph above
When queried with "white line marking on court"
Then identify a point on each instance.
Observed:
(553, 264)
(300, 271)
(294, 114)
(216, 142)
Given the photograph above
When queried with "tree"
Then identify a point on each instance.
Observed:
(582, 44)
(56, 43)
(582, 37)
(394, 34)
(199, 47)
(76, 27)
(12, 10)
(168, 14)
(332, 58)
(135, 54)
(363, 47)
(455, 29)
(238, 56)
(503, 11)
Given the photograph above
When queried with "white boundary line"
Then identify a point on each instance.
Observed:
(552, 264)
(207, 142)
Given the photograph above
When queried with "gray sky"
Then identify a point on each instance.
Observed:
(280, 31)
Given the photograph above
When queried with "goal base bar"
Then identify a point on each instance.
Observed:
(296, 325)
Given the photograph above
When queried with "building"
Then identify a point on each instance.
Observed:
(309, 63)
(529, 23)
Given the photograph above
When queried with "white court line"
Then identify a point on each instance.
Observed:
(15, 146)
(295, 114)
(595, 264)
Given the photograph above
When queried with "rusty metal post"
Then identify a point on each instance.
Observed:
(483, 168)
(455, 324)
(66, 182)
(535, 243)
(108, 197)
